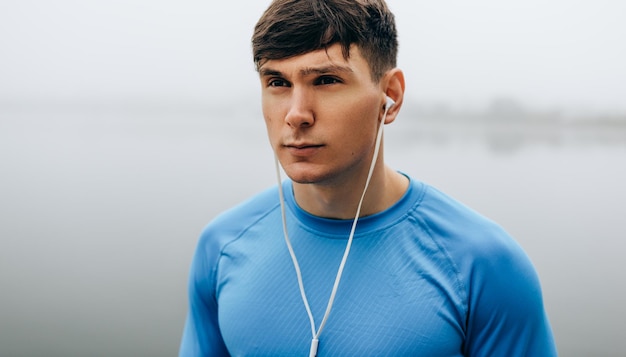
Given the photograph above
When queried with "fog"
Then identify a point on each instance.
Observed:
(547, 54)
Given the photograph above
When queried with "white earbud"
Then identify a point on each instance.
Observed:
(390, 102)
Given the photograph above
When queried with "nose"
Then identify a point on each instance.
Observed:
(300, 113)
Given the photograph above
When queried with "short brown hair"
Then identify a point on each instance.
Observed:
(293, 27)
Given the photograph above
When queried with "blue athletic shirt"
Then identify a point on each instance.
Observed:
(427, 277)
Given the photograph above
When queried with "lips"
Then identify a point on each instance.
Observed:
(303, 149)
(302, 146)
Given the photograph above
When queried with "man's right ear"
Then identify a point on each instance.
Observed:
(394, 90)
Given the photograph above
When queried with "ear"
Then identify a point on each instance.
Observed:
(393, 87)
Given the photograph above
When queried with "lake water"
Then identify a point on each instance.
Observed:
(100, 212)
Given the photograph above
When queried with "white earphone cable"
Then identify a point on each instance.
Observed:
(316, 334)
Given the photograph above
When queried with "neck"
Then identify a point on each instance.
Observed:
(340, 199)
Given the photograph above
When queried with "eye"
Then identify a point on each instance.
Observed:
(277, 82)
(326, 80)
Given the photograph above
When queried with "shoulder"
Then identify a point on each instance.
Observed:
(202, 327)
(222, 231)
(227, 227)
(498, 280)
(474, 242)
(483, 255)
(231, 224)
(459, 229)
(445, 215)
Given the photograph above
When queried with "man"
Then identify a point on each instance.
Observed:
(350, 257)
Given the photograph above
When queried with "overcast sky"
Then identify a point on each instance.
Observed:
(547, 54)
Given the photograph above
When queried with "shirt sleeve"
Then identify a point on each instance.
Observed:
(506, 315)
(201, 336)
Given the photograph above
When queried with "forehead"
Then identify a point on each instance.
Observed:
(330, 58)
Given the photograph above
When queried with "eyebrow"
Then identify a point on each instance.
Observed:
(309, 70)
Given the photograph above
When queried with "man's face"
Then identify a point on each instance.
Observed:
(322, 114)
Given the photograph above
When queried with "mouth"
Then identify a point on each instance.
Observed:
(303, 149)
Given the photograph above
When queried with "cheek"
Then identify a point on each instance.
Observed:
(273, 112)
(364, 115)
(269, 115)
(271, 127)
(271, 133)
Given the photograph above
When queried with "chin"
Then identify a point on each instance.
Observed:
(307, 175)
(304, 179)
